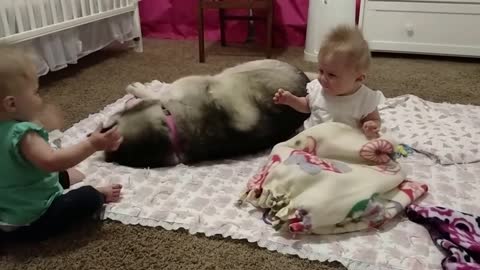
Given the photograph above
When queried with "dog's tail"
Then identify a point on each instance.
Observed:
(311, 75)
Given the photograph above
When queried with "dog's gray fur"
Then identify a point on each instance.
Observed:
(219, 116)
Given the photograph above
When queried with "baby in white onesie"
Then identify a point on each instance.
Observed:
(339, 94)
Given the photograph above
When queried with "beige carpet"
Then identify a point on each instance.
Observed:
(101, 78)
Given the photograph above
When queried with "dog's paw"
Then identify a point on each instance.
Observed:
(138, 90)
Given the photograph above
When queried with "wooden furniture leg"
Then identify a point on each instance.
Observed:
(223, 39)
(201, 35)
(223, 6)
(269, 32)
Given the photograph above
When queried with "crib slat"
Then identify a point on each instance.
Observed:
(100, 6)
(43, 13)
(84, 7)
(74, 8)
(92, 8)
(18, 16)
(33, 23)
(3, 17)
(54, 11)
(63, 3)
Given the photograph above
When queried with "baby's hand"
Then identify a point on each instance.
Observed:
(109, 140)
(282, 97)
(371, 129)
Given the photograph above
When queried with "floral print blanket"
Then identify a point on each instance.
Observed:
(330, 179)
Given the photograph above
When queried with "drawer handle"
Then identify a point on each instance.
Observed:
(409, 28)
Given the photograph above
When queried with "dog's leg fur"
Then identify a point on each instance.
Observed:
(139, 90)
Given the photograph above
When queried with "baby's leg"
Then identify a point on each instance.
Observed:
(69, 209)
(111, 192)
(70, 177)
(75, 175)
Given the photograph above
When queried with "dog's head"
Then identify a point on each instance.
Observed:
(146, 139)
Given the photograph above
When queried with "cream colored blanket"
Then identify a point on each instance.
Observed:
(331, 179)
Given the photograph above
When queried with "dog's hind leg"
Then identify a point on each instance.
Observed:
(139, 90)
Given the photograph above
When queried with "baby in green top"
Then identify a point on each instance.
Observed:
(33, 174)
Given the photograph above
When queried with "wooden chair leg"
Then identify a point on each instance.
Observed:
(201, 35)
(269, 33)
(223, 39)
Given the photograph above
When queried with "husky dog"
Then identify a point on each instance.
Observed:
(209, 117)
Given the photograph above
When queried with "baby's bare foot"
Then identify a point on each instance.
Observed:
(75, 176)
(282, 97)
(111, 192)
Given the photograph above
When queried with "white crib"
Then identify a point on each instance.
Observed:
(78, 27)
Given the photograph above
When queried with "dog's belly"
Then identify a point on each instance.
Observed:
(233, 96)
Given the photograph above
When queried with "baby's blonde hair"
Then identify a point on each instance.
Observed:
(16, 68)
(347, 41)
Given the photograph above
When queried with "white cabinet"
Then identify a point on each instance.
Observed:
(425, 27)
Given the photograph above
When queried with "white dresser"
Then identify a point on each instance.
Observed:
(422, 26)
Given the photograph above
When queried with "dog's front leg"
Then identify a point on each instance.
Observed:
(139, 90)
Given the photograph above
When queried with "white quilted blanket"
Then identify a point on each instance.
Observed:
(449, 133)
(202, 198)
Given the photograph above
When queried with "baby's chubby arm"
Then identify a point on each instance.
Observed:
(36, 150)
(371, 124)
(299, 104)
